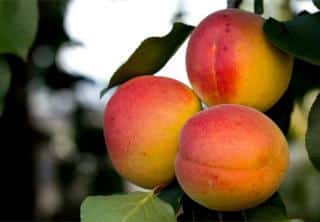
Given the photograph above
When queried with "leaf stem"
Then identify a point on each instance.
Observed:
(139, 204)
(157, 189)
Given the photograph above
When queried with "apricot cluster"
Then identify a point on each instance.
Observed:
(227, 157)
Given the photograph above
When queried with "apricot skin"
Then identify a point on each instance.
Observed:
(142, 123)
(229, 60)
(231, 158)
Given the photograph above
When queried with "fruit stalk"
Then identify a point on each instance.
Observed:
(234, 3)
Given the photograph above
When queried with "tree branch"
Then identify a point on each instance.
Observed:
(234, 3)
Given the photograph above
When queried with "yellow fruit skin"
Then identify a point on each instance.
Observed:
(229, 60)
(142, 123)
(231, 158)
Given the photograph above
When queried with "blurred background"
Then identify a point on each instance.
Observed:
(52, 147)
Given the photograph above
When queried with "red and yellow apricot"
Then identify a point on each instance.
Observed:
(229, 60)
(231, 157)
(142, 123)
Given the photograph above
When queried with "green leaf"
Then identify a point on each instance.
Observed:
(313, 132)
(172, 194)
(316, 3)
(132, 207)
(152, 54)
(4, 80)
(18, 25)
(280, 113)
(193, 212)
(299, 37)
(271, 210)
(258, 7)
(305, 77)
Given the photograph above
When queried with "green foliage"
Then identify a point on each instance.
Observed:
(140, 207)
(258, 6)
(317, 3)
(280, 113)
(18, 25)
(305, 77)
(299, 37)
(4, 80)
(193, 212)
(152, 54)
(133, 207)
(271, 210)
(172, 195)
(313, 132)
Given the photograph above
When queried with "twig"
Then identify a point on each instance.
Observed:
(234, 3)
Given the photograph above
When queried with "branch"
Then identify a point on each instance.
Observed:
(234, 3)
(258, 7)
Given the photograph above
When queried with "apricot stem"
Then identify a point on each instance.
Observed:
(258, 7)
(233, 3)
(157, 189)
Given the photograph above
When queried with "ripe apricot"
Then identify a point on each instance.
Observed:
(229, 60)
(231, 157)
(142, 122)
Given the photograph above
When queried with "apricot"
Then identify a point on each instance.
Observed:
(229, 60)
(231, 157)
(142, 122)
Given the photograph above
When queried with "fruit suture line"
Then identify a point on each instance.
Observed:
(224, 186)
